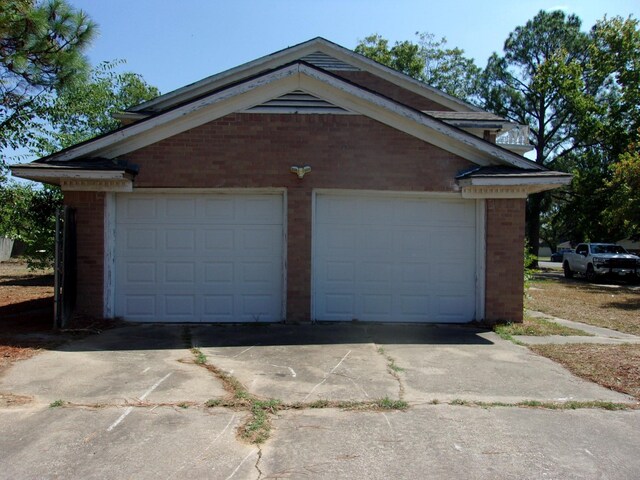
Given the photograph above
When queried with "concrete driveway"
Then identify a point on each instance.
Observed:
(134, 407)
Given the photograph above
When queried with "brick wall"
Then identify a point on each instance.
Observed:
(344, 151)
(256, 150)
(90, 249)
(388, 89)
(504, 261)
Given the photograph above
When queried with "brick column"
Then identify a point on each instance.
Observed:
(504, 260)
(299, 254)
(89, 208)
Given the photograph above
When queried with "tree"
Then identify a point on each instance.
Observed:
(598, 206)
(41, 47)
(428, 60)
(624, 187)
(79, 112)
(539, 81)
(84, 110)
(27, 213)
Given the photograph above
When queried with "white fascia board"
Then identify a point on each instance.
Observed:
(175, 121)
(295, 53)
(276, 83)
(47, 173)
(406, 119)
(516, 180)
(511, 189)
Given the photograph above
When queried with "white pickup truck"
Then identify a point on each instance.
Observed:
(594, 259)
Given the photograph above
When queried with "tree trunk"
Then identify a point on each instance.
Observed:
(533, 223)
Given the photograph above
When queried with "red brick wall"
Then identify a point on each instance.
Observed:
(89, 208)
(504, 261)
(344, 151)
(390, 90)
(257, 150)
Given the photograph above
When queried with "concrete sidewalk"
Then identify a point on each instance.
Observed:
(600, 335)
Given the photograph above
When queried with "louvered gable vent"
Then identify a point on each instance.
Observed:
(298, 101)
(327, 62)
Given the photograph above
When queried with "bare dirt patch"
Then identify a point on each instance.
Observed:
(18, 284)
(613, 366)
(26, 308)
(604, 305)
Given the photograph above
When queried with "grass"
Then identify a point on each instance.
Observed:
(57, 403)
(613, 366)
(610, 306)
(538, 327)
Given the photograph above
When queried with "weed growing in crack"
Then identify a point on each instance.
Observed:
(257, 428)
(387, 404)
(570, 405)
(214, 402)
(200, 358)
(57, 403)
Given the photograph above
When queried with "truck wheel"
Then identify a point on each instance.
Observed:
(567, 270)
(590, 273)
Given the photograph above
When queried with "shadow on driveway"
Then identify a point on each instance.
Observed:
(171, 336)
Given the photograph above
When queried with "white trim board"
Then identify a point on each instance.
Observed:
(311, 80)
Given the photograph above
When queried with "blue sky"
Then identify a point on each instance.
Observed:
(174, 43)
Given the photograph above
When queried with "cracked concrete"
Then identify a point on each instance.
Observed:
(174, 436)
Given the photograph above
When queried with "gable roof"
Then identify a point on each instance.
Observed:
(319, 52)
(275, 83)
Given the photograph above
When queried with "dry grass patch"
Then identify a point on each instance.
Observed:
(614, 307)
(613, 366)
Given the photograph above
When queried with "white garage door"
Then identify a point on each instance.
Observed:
(394, 259)
(205, 257)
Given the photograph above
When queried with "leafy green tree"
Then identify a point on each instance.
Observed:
(27, 213)
(41, 45)
(84, 110)
(428, 60)
(540, 81)
(623, 211)
(598, 204)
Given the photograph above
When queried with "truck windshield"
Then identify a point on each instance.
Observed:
(607, 249)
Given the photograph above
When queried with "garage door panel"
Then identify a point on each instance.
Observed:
(180, 241)
(138, 208)
(195, 261)
(138, 239)
(414, 305)
(337, 305)
(180, 209)
(392, 258)
(218, 308)
(180, 273)
(218, 273)
(179, 306)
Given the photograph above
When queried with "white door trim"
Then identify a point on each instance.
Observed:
(109, 296)
(481, 258)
